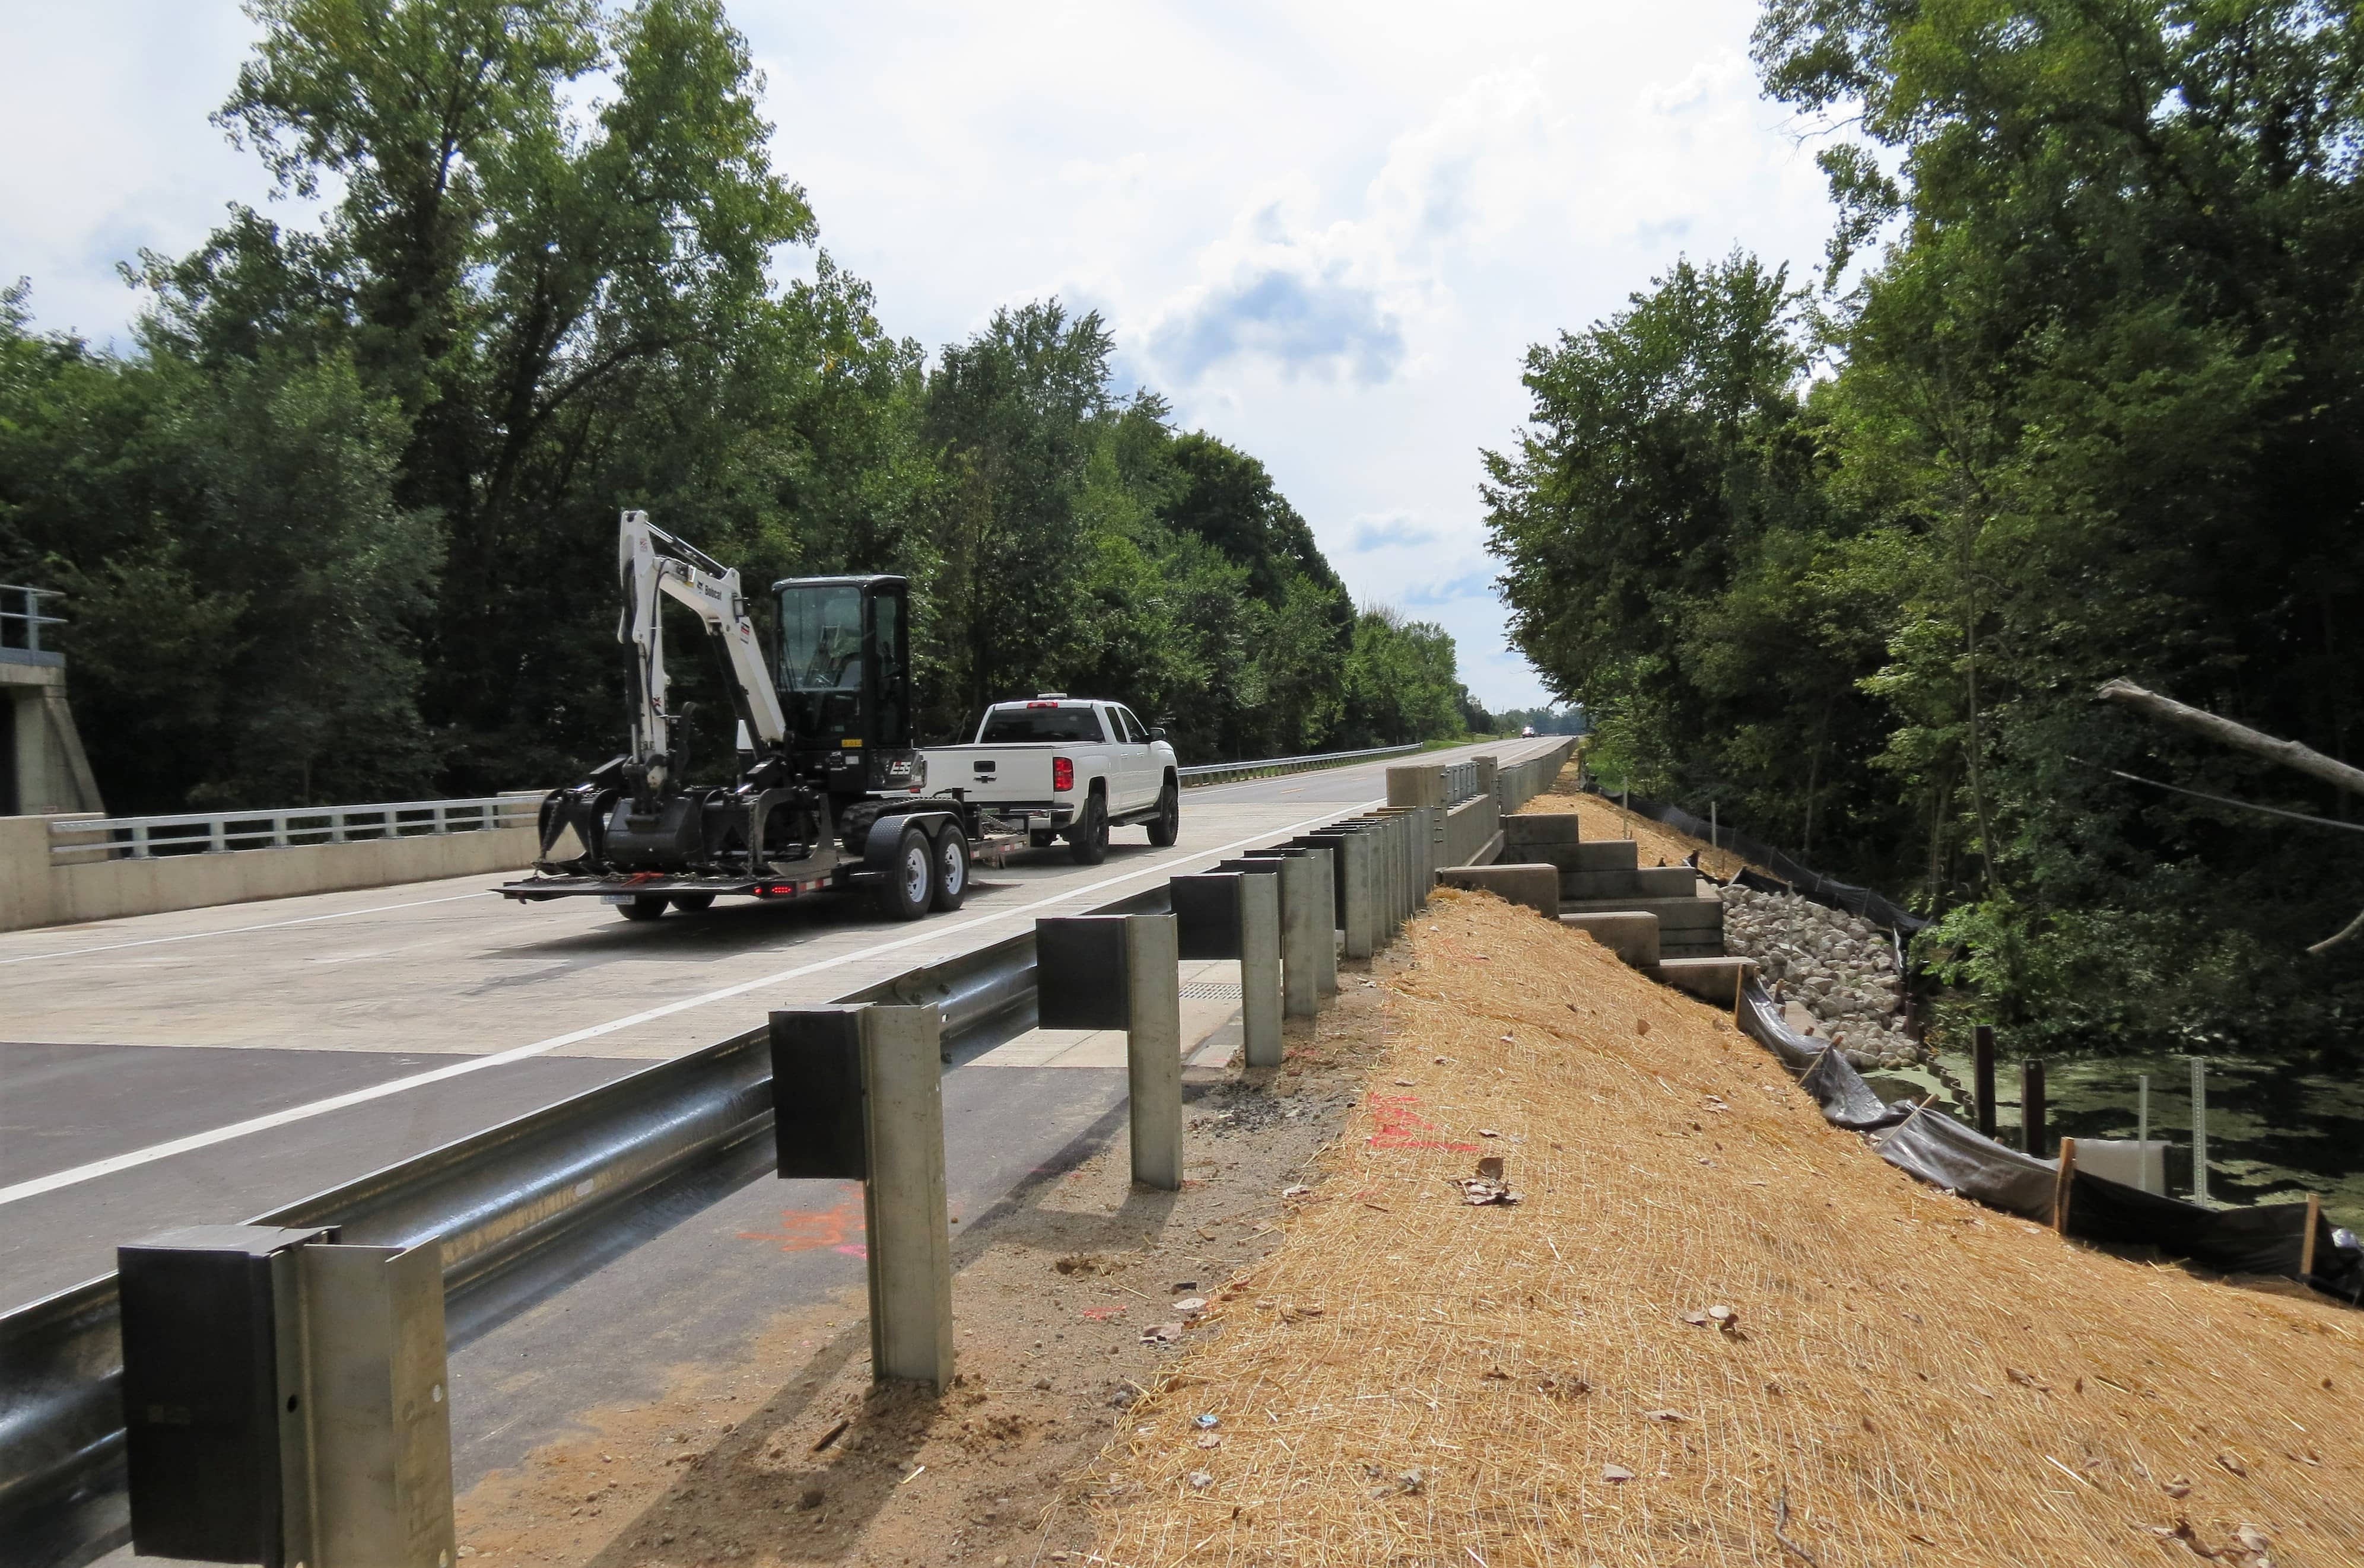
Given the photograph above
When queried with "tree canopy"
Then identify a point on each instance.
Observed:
(2088, 410)
(339, 524)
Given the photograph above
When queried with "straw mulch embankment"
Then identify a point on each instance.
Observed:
(1910, 1379)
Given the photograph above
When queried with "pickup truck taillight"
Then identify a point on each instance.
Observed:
(1062, 774)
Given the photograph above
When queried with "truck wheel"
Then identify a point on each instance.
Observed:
(911, 878)
(952, 871)
(1088, 839)
(692, 903)
(1166, 826)
(647, 907)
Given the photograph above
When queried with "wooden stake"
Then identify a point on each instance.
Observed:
(2306, 1247)
(2064, 1185)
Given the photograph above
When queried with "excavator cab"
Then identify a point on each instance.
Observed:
(844, 679)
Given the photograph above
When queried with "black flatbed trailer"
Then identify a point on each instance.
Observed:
(957, 832)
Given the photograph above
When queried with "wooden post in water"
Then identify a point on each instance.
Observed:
(2199, 1130)
(1982, 1087)
(2031, 1106)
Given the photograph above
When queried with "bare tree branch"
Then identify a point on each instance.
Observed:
(2289, 753)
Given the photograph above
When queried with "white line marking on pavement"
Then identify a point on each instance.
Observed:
(235, 930)
(138, 1157)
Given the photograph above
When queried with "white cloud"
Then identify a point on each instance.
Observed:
(1328, 232)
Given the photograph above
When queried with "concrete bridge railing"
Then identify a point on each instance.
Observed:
(67, 867)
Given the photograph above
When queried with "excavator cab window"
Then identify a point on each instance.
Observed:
(844, 664)
(890, 657)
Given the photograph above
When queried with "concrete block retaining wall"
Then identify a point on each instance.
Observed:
(34, 891)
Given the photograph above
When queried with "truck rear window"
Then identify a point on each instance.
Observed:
(1016, 726)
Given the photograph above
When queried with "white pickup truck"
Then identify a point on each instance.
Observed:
(1070, 767)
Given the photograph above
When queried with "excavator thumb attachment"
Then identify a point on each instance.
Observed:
(573, 821)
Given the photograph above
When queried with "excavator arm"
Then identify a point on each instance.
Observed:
(653, 564)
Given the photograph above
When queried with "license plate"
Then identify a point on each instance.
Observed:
(620, 897)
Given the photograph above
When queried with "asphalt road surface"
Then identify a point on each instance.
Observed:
(209, 1065)
(206, 1065)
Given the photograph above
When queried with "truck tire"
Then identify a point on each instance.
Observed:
(1088, 839)
(1166, 826)
(647, 907)
(950, 884)
(910, 879)
(691, 902)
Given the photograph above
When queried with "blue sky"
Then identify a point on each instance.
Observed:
(1327, 233)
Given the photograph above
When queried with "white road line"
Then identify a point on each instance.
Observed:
(237, 930)
(154, 1153)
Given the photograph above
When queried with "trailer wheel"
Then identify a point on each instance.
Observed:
(647, 907)
(910, 883)
(692, 903)
(951, 881)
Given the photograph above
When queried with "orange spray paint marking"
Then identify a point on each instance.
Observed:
(1396, 1124)
(809, 1231)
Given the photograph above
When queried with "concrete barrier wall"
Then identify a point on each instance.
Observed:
(1469, 833)
(1470, 830)
(34, 891)
(1521, 782)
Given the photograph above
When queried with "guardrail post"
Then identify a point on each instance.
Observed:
(1426, 875)
(381, 1416)
(1358, 892)
(1398, 878)
(1261, 1003)
(1322, 858)
(1262, 995)
(1121, 972)
(284, 1399)
(1304, 934)
(857, 1094)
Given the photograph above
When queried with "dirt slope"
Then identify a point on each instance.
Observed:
(1909, 1380)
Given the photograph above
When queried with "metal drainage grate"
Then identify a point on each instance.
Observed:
(1205, 993)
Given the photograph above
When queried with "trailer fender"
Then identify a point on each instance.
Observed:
(878, 849)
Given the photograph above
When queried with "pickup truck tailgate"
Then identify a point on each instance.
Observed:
(993, 772)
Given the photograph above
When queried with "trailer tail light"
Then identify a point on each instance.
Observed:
(1062, 774)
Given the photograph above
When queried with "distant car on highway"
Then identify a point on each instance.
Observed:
(1526, 732)
(1072, 767)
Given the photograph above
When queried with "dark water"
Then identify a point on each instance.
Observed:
(2272, 1129)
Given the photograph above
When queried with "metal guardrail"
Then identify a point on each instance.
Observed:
(218, 832)
(21, 621)
(519, 1209)
(1206, 772)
